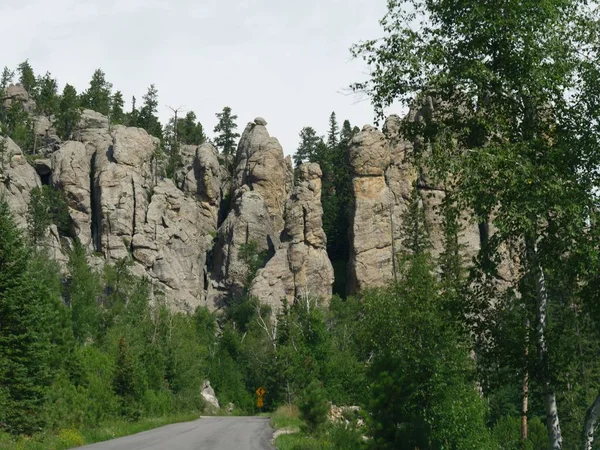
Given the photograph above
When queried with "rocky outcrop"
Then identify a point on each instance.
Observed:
(17, 179)
(16, 93)
(209, 396)
(301, 266)
(70, 172)
(248, 223)
(191, 236)
(171, 242)
(371, 239)
(260, 165)
(385, 174)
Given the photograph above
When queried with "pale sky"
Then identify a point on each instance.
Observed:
(287, 61)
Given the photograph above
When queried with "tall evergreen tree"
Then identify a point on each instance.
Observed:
(68, 114)
(333, 136)
(347, 133)
(117, 115)
(147, 118)
(308, 147)
(226, 139)
(29, 307)
(131, 118)
(190, 131)
(47, 98)
(98, 96)
(6, 79)
(27, 77)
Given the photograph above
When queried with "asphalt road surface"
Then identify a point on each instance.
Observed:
(209, 433)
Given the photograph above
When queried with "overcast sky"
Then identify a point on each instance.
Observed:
(287, 61)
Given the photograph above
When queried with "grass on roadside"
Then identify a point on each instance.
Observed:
(331, 437)
(286, 416)
(69, 438)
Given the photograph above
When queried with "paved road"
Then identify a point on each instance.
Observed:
(210, 433)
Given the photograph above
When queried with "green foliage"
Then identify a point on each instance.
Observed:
(27, 77)
(117, 115)
(252, 258)
(190, 131)
(16, 123)
(98, 96)
(6, 79)
(147, 118)
(314, 406)
(29, 340)
(68, 114)
(226, 138)
(47, 206)
(422, 391)
(47, 95)
(307, 149)
(82, 293)
(333, 134)
(507, 434)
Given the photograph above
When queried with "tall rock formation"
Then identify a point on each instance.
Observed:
(371, 239)
(301, 266)
(17, 179)
(384, 176)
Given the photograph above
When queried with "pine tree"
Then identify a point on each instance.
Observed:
(147, 118)
(27, 77)
(415, 233)
(308, 147)
(83, 288)
(29, 307)
(98, 95)
(117, 115)
(17, 124)
(68, 114)
(6, 79)
(347, 133)
(189, 131)
(226, 139)
(333, 137)
(132, 117)
(47, 98)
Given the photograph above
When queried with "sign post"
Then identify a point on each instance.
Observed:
(260, 392)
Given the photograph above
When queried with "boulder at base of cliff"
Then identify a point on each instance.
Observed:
(209, 396)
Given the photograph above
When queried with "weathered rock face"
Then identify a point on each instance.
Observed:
(248, 222)
(371, 251)
(17, 93)
(171, 242)
(188, 237)
(301, 266)
(70, 168)
(17, 179)
(261, 166)
(384, 178)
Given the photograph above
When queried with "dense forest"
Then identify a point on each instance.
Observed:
(504, 101)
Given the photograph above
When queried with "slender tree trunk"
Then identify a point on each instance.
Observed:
(591, 421)
(525, 388)
(552, 421)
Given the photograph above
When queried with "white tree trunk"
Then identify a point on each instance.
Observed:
(552, 421)
(525, 387)
(591, 420)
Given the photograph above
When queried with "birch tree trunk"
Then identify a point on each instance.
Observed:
(552, 421)
(591, 420)
(525, 388)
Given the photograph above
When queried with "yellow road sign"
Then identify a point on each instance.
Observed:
(260, 391)
(259, 402)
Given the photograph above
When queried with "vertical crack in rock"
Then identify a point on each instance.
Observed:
(95, 211)
(133, 216)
